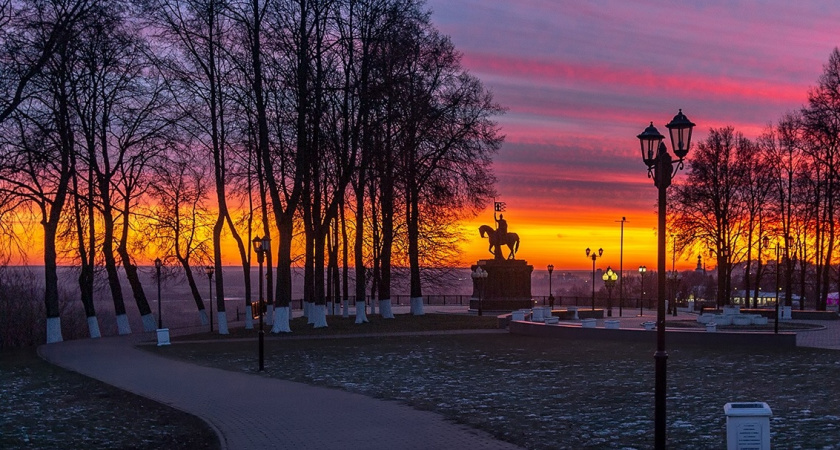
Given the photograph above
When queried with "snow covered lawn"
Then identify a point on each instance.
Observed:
(545, 393)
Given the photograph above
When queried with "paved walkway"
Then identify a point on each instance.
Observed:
(256, 412)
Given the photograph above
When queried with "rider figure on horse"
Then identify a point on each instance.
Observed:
(501, 228)
(501, 232)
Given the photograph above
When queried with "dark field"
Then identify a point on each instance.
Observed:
(46, 407)
(543, 393)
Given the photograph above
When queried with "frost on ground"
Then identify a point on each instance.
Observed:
(544, 393)
(46, 407)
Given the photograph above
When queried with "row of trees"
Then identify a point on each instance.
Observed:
(344, 128)
(744, 200)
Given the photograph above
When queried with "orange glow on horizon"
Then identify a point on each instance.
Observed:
(547, 237)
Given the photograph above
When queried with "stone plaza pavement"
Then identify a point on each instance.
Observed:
(253, 412)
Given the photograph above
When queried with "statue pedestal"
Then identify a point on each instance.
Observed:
(506, 288)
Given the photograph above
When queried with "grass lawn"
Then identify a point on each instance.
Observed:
(44, 406)
(548, 393)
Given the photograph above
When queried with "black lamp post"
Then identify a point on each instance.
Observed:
(480, 277)
(727, 275)
(779, 251)
(662, 168)
(642, 270)
(610, 278)
(550, 291)
(261, 247)
(209, 271)
(594, 255)
(158, 265)
(673, 295)
(621, 269)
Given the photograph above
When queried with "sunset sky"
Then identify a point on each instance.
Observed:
(582, 79)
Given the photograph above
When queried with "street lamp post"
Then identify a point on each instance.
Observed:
(550, 291)
(727, 275)
(609, 278)
(662, 168)
(642, 270)
(673, 295)
(479, 276)
(621, 269)
(779, 251)
(594, 255)
(158, 265)
(261, 247)
(209, 271)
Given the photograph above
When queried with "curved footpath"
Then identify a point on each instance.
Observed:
(257, 412)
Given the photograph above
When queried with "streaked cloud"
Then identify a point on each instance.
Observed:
(581, 79)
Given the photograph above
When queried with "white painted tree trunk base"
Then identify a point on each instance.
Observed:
(249, 319)
(345, 309)
(93, 327)
(202, 316)
(318, 316)
(361, 317)
(417, 306)
(222, 318)
(281, 320)
(123, 326)
(309, 312)
(269, 315)
(54, 330)
(372, 307)
(385, 309)
(149, 322)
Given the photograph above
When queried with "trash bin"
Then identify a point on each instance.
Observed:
(747, 425)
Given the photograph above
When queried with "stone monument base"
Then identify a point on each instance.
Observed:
(506, 288)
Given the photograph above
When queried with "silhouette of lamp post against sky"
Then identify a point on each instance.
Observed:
(594, 255)
(158, 265)
(550, 291)
(662, 168)
(621, 269)
(779, 250)
(610, 278)
(642, 270)
(208, 270)
(261, 247)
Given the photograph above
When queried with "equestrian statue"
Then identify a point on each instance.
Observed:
(499, 237)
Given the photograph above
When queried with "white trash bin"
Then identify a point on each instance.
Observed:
(747, 425)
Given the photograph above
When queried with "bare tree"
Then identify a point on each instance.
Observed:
(706, 209)
(821, 119)
(179, 222)
(33, 31)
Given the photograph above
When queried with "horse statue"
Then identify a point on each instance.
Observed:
(510, 239)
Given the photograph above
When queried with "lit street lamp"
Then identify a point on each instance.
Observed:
(209, 271)
(610, 278)
(642, 270)
(550, 292)
(480, 277)
(594, 255)
(261, 247)
(158, 265)
(662, 168)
